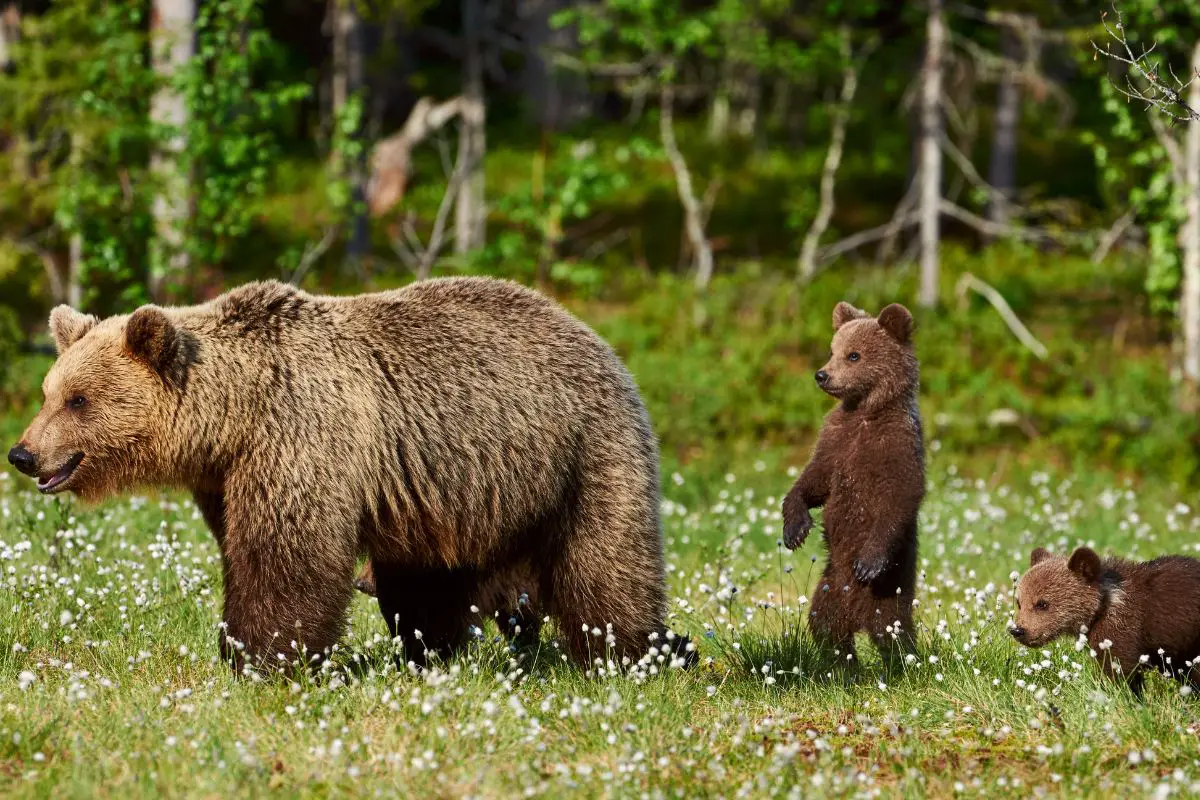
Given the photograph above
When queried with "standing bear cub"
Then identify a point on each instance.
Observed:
(1134, 614)
(481, 446)
(868, 471)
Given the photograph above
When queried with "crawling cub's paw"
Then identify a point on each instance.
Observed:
(869, 568)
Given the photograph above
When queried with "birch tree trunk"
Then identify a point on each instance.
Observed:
(1189, 305)
(470, 217)
(931, 154)
(172, 46)
(347, 81)
(1003, 165)
(693, 211)
(833, 159)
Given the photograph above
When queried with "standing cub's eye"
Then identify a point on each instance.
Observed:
(854, 357)
(77, 401)
(1040, 605)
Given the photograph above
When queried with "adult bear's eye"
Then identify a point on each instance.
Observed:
(1040, 605)
(77, 401)
(854, 356)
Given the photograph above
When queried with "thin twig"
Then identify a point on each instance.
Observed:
(313, 252)
(1159, 93)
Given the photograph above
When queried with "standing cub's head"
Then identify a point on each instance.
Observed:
(108, 401)
(1057, 596)
(873, 359)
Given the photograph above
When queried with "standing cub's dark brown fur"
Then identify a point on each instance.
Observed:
(1129, 610)
(868, 471)
(483, 447)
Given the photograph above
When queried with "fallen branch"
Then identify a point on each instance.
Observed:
(856, 240)
(969, 282)
(391, 158)
(420, 257)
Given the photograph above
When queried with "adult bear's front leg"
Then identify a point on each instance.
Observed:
(288, 559)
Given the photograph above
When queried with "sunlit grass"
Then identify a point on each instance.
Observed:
(110, 683)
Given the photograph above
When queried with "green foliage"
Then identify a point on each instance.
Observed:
(83, 90)
(231, 132)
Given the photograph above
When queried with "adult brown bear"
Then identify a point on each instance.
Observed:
(477, 442)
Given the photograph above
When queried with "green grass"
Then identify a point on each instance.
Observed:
(109, 683)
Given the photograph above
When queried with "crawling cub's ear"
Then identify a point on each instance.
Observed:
(1038, 556)
(896, 320)
(843, 312)
(1085, 563)
(68, 326)
(151, 338)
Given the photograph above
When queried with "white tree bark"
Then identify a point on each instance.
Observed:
(833, 159)
(347, 80)
(10, 32)
(693, 211)
(1002, 167)
(1189, 305)
(931, 154)
(172, 46)
(470, 213)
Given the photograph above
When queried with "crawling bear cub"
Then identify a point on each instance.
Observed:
(1134, 614)
(868, 471)
(487, 452)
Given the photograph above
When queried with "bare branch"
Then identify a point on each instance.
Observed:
(969, 282)
(391, 158)
(693, 212)
(833, 158)
(1158, 93)
(1113, 235)
(313, 252)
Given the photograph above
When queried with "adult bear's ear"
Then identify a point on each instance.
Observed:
(1085, 563)
(152, 339)
(1039, 555)
(843, 312)
(68, 326)
(898, 323)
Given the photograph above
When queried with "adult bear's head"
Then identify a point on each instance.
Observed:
(107, 402)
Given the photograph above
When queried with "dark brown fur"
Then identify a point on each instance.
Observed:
(868, 471)
(468, 435)
(1149, 608)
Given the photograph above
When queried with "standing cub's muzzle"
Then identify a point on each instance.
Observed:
(23, 460)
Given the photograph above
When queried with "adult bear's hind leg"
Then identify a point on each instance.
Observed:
(428, 608)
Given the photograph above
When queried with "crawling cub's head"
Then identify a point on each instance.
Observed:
(108, 402)
(1057, 596)
(873, 359)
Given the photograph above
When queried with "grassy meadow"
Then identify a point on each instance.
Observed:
(110, 685)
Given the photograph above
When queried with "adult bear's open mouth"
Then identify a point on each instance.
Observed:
(48, 484)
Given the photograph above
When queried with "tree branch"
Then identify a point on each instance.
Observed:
(969, 282)
(1158, 94)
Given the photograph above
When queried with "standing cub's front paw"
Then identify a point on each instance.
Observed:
(868, 568)
(797, 522)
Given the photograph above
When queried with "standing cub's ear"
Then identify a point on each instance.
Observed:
(1038, 556)
(1085, 563)
(151, 338)
(68, 326)
(898, 323)
(844, 312)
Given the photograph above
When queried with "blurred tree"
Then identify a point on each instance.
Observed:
(172, 46)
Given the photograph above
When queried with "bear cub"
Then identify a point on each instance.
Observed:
(1135, 614)
(868, 471)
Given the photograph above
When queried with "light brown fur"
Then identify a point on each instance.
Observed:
(1127, 609)
(868, 471)
(468, 435)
